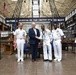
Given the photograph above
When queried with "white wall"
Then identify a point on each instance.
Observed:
(27, 25)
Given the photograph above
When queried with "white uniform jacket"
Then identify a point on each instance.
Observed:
(47, 37)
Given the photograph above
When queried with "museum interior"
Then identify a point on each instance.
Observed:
(47, 12)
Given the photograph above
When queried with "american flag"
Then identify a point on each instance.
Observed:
(5, 8)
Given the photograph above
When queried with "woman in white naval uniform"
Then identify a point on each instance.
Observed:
(46, 36)
(58, 36)
(19, 37)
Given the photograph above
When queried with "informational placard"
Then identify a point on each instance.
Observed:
(4, 34)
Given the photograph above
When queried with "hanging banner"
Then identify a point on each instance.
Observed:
(12, 20)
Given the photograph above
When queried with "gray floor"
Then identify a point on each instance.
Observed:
(9, 66)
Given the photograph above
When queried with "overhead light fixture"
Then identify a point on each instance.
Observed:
(24, 1)
(46, 0)
(21, 14)
(14, 0)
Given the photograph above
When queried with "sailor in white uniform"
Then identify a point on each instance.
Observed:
(20, 37)
(47, 38)
(58, 36)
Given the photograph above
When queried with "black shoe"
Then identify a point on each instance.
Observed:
(36, 60)
(38, 56)
(33, 60)
(50, 60)
(46, 60)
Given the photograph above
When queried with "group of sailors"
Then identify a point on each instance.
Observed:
(56, 36)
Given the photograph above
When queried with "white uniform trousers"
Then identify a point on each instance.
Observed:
(57, 49)
(47, 51)
(20, 48)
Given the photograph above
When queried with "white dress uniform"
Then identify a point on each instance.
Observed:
(20, 35)
(47, 38)
(56, 34)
